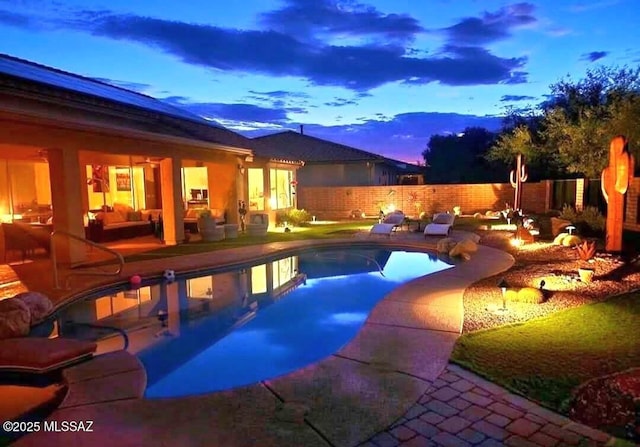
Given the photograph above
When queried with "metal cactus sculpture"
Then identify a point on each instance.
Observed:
(615, 180)
(517, 177)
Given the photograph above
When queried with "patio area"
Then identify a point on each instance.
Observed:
(336, 402)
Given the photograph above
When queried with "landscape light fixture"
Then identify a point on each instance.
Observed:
(503, 288)
(570, 229)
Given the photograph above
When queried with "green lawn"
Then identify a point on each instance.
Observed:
(324, 231)
(545, 358)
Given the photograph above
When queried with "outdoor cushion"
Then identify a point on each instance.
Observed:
(39, 305)
(42, 355)
(15, 318)
(443, 218)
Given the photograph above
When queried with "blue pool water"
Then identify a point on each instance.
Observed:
(259, 336)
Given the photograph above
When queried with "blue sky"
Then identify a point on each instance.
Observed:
(381, 75)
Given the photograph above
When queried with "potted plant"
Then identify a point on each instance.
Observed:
(586, 252)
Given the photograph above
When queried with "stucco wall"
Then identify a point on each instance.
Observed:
(632, 218)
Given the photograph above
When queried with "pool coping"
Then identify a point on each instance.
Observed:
(385, 362)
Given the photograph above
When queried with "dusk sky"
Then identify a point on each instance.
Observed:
(380, 75)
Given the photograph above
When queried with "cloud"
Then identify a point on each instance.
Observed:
(591, 5)
(357, 68)
(240, 113)
(307, 18)
(341, 102)
(514, 98)
(491, 26)
(593, 56)
(401, 137)
(15, 19)
(281, 94)
(134, 86)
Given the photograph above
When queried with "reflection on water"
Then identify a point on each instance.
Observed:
(233, 328)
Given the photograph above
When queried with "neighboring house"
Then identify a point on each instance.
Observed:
(332, 164)
(75, 151)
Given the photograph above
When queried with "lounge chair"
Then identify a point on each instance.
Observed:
(440, 225)
(389, 224)
(38, 355)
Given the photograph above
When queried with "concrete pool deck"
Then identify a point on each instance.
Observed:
(391, 385)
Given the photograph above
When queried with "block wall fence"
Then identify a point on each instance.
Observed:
(339, 202)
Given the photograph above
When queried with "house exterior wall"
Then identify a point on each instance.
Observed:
(348, 174)
(340, 202)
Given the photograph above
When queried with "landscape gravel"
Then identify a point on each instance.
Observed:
(558, 267)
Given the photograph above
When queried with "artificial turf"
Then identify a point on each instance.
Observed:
(545, 358)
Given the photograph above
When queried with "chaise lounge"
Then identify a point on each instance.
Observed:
(440, 225)
(389, 225)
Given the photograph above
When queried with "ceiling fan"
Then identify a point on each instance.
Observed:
(150, 161)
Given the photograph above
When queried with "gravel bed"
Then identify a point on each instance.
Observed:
(558, 267)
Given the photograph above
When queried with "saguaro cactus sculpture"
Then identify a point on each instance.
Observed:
(517, 177)
(615, 180)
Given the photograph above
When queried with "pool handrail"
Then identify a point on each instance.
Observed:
(54, 260)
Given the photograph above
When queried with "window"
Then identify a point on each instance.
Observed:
(256, 189)
(110, 185)
(25, 192)
(280, 181)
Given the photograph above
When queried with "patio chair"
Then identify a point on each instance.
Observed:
(440, 225)
(257, 224)
(19, 237)
(389, 224)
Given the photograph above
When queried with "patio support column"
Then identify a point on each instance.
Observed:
(172, 206)
(579, 194)
(68, 183)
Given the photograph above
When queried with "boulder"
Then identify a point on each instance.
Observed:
(530, 295)
(571, 241)
(39, 305)
(464, 249)
(15, 318)
(559, 238)
(445, 245)
(470, 236)
(558, 225)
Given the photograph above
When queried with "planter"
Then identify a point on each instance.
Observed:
(586, 274)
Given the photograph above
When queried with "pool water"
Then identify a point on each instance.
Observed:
(285, 314)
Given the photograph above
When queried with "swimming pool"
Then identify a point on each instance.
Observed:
(221, 330)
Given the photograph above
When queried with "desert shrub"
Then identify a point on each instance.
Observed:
(589, 221)
(530, 295)
(593, 218)
(293, 217)
(569, 213)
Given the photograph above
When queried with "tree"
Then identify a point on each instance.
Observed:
(582, 117)
(460, 158)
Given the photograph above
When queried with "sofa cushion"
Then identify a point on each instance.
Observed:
(134, 216)
(41, 355)
(112, 218)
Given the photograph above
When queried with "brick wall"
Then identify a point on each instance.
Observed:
(339, 202)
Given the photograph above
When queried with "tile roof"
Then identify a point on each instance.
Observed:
(161, 118)
(294, 145)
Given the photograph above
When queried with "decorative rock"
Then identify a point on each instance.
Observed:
(511, 295)
(524, 235)
(445, 245)
(571, 241)
(471, 237)
(530, 295)
(15, 318)
(559, 238)
(39, 305)
(464, 248)
(558, 225)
